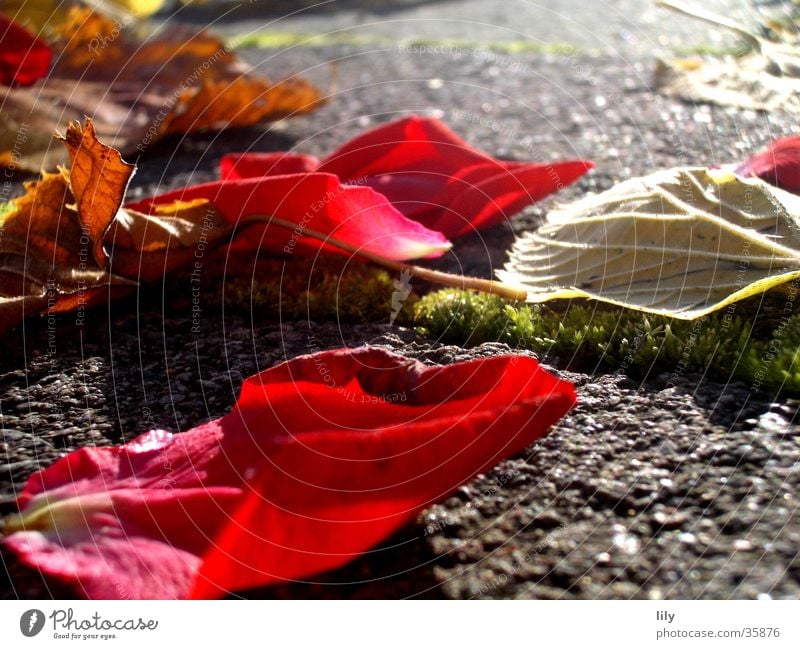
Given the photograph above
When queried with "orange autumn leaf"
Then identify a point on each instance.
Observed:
(46, 262)
(55, 252)
(138, 90)
(98, 178)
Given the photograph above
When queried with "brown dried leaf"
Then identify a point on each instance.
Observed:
(743, 82)
(98, 179)
(46, 259)
(138, 91)
(66, 243)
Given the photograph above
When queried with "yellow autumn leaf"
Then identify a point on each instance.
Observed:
(42, 15)
(136, 8)
(682, 242)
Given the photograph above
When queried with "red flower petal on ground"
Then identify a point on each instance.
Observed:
(429, 174)
(322, 457)
(24, 58)
(254, 165)
(357, 216)
(778, 164)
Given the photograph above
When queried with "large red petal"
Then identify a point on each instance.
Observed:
(291, 482)
(431, 175)
(355, 215)
(256, 165)
(329, 495)
(24, 58)
(410, 144)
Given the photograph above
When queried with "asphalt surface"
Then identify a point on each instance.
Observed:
(646, 490)
(616, 27)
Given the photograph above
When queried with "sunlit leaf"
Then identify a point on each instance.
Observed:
(682, 242)
(51, 254)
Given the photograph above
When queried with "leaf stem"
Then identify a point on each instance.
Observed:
(508, 291)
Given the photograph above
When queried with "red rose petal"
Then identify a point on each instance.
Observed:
(330, 495)
(410, 144)
(255, 165)
(355, 215)
(492, 198)
(322, 457)
(431, 175)
(778, 164)
(24, 58)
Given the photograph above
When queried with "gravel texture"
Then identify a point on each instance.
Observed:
(646, 490)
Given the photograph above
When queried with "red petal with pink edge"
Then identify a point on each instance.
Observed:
(329, 495)
(433, 176)
(321, 458)
(354, 215)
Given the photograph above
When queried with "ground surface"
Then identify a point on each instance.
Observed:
(643, 491)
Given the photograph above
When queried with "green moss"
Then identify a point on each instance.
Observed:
(747, 342)
(775, 361)
(323, 290)
(5, 208)
(756, 340)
